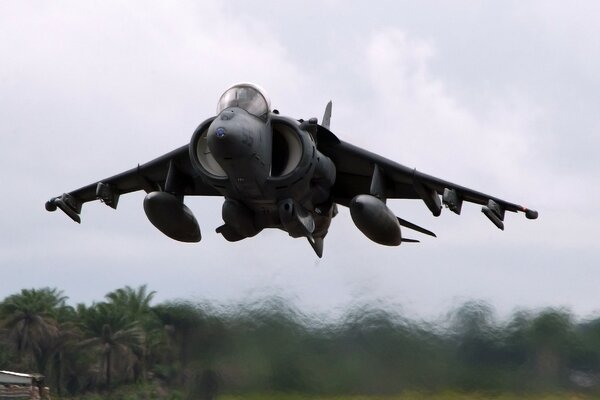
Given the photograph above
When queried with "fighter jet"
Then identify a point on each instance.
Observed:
(278, 172)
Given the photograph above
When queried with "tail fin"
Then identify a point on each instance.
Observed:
(327, 115)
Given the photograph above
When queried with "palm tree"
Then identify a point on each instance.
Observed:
(30, 319)
(113, 335)
(135, 304)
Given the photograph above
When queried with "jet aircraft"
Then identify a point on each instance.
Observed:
(278, 172)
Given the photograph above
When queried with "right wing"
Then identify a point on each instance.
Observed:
(359, 171)
(172, 172)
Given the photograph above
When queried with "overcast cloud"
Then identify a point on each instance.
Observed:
(498, 96)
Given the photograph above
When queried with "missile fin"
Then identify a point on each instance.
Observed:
(405, 240)
(414, 227)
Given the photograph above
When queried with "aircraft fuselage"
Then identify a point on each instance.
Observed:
(269, 171)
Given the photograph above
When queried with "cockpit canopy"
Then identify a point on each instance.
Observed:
(247, 96)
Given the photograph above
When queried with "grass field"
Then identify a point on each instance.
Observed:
(414, 396)
(155, 392)
(405, 396)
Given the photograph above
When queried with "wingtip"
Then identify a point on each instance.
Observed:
(531, 214)
(51, 205)
(67, 204)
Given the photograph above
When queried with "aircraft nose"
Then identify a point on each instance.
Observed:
(223, 140)
(226, 138)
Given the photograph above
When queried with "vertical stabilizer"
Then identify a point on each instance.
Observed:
(327, 116)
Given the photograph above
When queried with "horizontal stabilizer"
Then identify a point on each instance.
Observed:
(414, 227)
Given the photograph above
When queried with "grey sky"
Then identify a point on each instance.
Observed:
(498, 96)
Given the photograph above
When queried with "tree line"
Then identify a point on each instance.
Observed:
(269, 345)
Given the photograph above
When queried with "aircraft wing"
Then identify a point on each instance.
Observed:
(359, 171)
(171, 172)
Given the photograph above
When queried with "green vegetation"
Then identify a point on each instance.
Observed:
(126, 348)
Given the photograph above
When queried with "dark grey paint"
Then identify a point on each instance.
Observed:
(278, 172)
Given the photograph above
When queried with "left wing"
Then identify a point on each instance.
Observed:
(172, 172)
(359, 171)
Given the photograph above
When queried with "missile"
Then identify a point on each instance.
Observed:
(170, 216)
(375, 220)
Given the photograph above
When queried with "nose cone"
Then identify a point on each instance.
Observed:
(227, 135)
